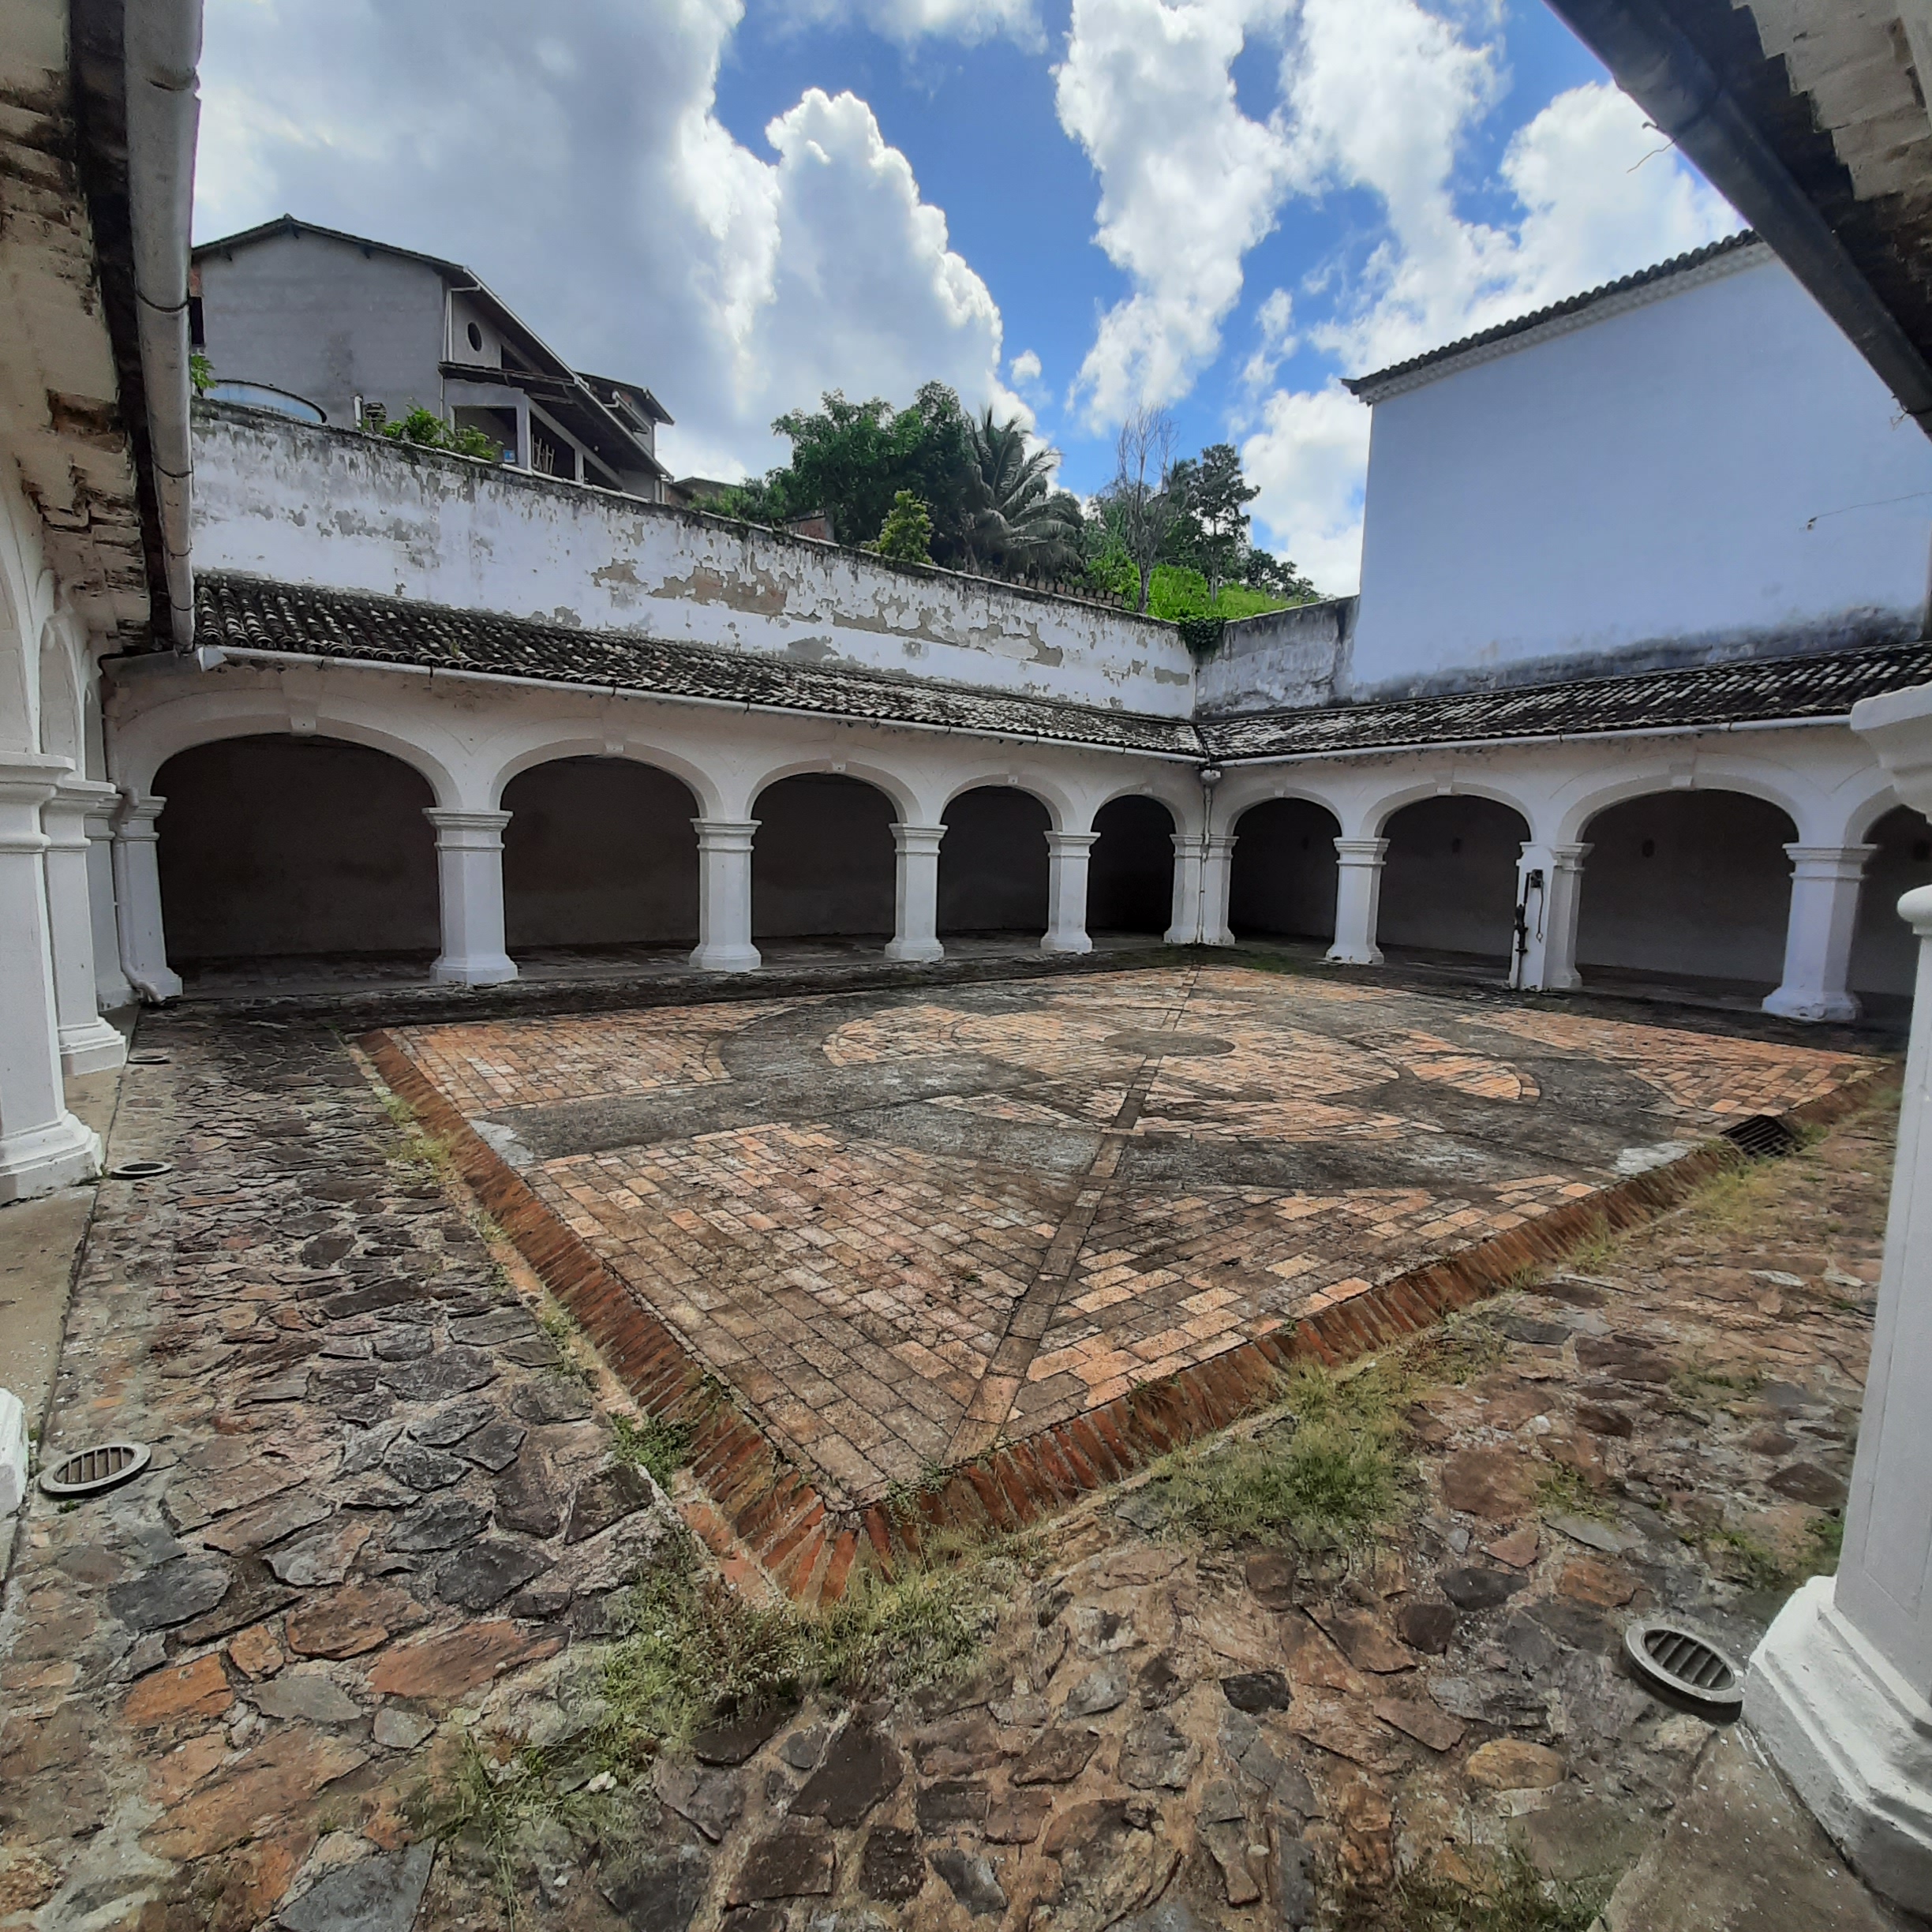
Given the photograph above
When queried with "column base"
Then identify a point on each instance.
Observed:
(112, 991)
(93, 1048)
(46, 1158)
(1804, 1003)
(157, 985)
(1066, 942)
(1353, 956)
(726, 959)
(491, 969)
(1852, 1736)
(914, 952)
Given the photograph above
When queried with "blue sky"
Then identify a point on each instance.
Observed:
(1065, 207)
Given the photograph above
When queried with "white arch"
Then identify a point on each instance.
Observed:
(60, 697)
(1185, 810)
(1232, 813)
(1375, 819)
(1862, 820)
(146, 743)
(1574, 824)
(1060, 813)
(905, 800)
(705, 793)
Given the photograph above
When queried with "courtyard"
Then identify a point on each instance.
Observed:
(906, 1227)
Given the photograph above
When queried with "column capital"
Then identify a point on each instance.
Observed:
(917, 839)
(138, 819)
(1829, 862)
(1072, 843)
(1361, 852)
(74, 801)
(453, 818)
(725, 834)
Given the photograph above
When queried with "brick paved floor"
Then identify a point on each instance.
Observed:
(903, 1225)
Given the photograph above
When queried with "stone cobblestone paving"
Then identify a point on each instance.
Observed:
(904, 1227)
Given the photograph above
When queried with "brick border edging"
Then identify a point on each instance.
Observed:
(811, 1552)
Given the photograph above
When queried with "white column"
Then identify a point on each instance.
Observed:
(724, 895)
(915, 938)
(111, 989)
(137, 893)
(1066, 892)
(470, 880)
(1838, 1689)
(1200, 889)
(1359, 900)
(42, 1145)
(1184, 914)
(1549, 888)
(1817, 935)
(87, 1044)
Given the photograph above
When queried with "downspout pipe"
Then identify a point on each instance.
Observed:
(161, 50)
(1655, 62)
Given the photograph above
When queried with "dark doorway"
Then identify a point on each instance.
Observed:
(1283, 878)
(1449, 882)
(1130, 872)
(822, 861)
(1687, 885)
(1885, 951)
(599, 852)
(278, 847)
(993, 863)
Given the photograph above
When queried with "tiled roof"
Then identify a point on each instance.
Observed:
(245, 614)
(1821, 687)
(1660, 271)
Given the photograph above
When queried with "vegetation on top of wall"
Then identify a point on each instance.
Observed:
(427, 430)
(906, 535)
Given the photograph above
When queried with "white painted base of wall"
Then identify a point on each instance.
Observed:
(914, 952)
(1074, 943)
(13, 1452)
(1801, 1005)
(43, 1158)
(490, 969)
(1853, 1736)
(726, 959)
(91, 1048)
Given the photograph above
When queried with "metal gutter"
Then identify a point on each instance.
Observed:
(161, 48)
(1655, 62)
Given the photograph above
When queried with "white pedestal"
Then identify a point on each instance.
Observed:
(137, 892)
(1066, 892)
(111, 989)
(87, 1044)
(724, 895)
(470, 880)
(1549, 950)
(1359, 900)
(1818, 932)
(915, 919)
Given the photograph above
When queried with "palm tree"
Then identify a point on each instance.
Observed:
(1019, 522)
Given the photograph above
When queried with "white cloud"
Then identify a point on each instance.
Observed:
(1024, 367)
(583, 172)
(1379, 95)
(1274, 327)
(1188, 183)
(909, 21)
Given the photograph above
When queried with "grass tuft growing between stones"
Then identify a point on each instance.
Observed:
(696, 1652)
(1510, 1895)
(490, 1803)
(658, 1447)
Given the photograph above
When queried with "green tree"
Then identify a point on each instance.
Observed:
(906, 535)
(1277, 577)
(1210, 526)
(1019, 523)
(1139, 505)
(428, 431)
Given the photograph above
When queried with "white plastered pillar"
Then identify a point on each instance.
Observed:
(916, 918)
(1066, 892)
(1838, 1688)
(42, 1145)
(137, 893)
(87, 1044)
(1200, 889)
(1359, 900)
(1818, 932)
(1551, 910)
(469, 886)
(724, 895)
(1183, 915)
(111, 991)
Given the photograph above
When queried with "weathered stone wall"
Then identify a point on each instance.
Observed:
(1283, 659)
(302, 504)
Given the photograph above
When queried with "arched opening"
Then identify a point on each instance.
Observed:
(275, 847)
(1884, 953)
(823, 863)
(599, 852)
(1687, 885)
(1130, 872)
(1449, 880)
(1283, 880)
(993, 861)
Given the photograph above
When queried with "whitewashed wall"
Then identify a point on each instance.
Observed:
(322, 506)
(1714, 469)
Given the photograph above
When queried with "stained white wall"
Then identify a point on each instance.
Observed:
(1715, 470)
(304, 505)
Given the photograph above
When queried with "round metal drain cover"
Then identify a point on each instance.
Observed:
(149, 1059)
(139, 1171)
(88, 1472)
(1668, 1657)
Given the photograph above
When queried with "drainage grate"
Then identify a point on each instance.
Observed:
(88, 1472)
(1668, 1657)
(139, 1171)
(1760, 1136)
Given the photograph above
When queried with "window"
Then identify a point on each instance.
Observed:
(475, 335)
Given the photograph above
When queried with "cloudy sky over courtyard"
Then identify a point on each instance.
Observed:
(1223, 206)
